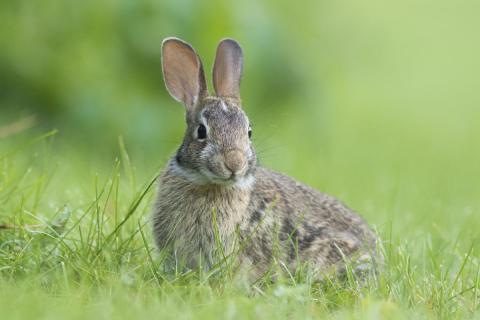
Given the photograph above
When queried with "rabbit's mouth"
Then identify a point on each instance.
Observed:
(229, 180)
(205, 176)
(216, 178)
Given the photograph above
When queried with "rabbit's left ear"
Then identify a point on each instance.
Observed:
(227, 70)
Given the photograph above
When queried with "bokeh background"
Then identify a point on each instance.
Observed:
(376, 102)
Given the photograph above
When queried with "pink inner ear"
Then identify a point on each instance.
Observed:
(183, 72)
(227, 70)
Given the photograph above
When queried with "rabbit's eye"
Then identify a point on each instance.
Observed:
(249, 132)
(201, 132)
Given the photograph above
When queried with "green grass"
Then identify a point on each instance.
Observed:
(79, 246)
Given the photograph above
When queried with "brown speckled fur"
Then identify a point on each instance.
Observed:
(267, 215)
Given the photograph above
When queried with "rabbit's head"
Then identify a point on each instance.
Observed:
(216, 148)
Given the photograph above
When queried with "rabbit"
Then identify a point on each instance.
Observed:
(214, 193)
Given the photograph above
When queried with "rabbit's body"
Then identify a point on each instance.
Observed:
(213, 194)
(310, 227)
(273, 216)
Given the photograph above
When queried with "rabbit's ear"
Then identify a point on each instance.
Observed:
(183, 72)
(227, 70)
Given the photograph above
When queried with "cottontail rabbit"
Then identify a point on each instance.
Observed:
(213, 192)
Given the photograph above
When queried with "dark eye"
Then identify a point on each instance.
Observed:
(201, 132)
(249, 132)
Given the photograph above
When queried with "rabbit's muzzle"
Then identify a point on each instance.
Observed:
(235, 162)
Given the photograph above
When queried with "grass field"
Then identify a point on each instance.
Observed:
(76, 243)
(376, 103)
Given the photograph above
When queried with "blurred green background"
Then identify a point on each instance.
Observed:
(376, 102)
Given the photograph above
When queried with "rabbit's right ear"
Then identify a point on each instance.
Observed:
(183, 72)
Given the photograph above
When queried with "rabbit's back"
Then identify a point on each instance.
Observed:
(304, 224)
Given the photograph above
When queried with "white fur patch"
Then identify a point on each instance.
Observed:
(245, 182)
(224, 106)
(202, 119)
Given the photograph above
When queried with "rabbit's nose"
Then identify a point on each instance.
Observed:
(235, 161)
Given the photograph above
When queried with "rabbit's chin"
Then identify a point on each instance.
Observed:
(206, 177)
